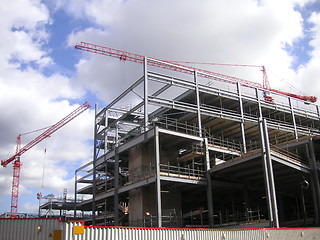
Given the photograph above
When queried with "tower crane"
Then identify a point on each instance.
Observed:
(19, 151)
(171, 65)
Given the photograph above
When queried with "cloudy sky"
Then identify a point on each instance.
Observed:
(43, 78)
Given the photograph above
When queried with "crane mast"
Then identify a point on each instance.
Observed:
(19, 151)
(127, 56)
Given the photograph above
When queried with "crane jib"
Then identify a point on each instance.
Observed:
(16, 158)
(173, 65)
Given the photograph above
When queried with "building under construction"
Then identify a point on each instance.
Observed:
(202, 150)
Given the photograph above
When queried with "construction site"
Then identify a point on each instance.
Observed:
(201, 149)
(198, 150)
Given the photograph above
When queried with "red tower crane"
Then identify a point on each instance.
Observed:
(127, 56)
(19, 151)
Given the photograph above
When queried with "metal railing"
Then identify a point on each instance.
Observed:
(286, 153)
(181, 172)
(173, 124)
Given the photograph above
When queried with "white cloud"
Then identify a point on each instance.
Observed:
(249, 32)
(30, 100)
(222, 31)
(29, 207)
(102, 12)
(309, 73)
(22, 31)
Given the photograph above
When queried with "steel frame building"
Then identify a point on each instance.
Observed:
(199, 150)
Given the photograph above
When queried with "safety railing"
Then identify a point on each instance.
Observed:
(287, 154)
(181, 172)
(174, 125)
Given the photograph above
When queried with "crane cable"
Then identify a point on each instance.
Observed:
(44, 162)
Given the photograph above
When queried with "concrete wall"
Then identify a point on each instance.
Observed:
(141, 157)
(135, 206)
(144, 199)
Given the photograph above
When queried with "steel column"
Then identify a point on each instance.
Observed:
(293, 118)
(145, 69)
(314, 179)
(75, 195)
(105, 190)
(265, 172)
(271, 176)
(209, 184)
(116, 180)
(242, 119)
(158, 182)
(94, 165)
(268, 174)
(198, 103)
(105, 132)
(259, 104)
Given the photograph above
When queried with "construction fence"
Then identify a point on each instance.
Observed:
(55, 229)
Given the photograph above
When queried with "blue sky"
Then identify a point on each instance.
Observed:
(301, 47)
(43, 78)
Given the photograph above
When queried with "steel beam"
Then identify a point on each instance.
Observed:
(124, 147)
(217, 149)
(128, 187)
(122, 95)
(198, 103)
(163, 177)
(178, 134)
(292, 164)
(234, 163)
(156, 77)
